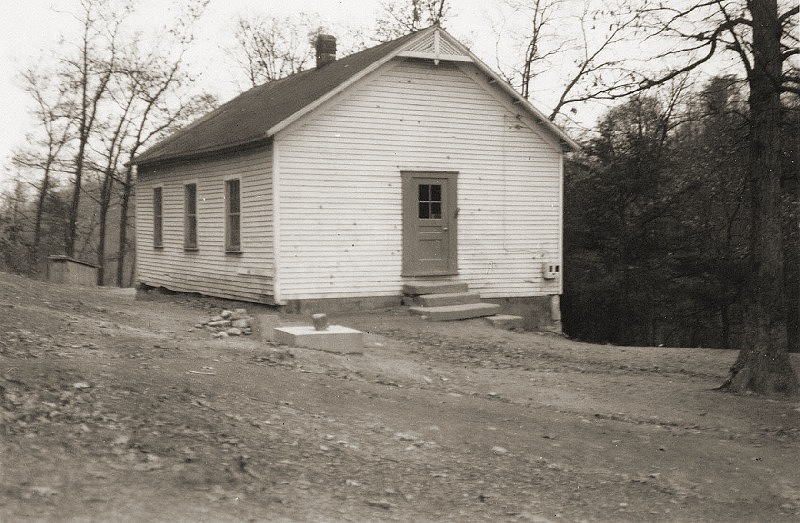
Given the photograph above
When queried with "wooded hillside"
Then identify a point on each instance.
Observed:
(657, 221)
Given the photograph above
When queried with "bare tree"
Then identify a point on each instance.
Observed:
(152, 84)
(110, 93)
(13, 218)
(270, 48)
(761, 34)
(763, 365)
(686, 37)
(112, 142)
(597, 62)
(89, 74)
(539, 40)
(401, 17)
(43, 154)
(160, 90)
(150, 95)
(578, 44)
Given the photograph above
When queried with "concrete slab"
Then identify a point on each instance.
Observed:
(456, 312)
(505, 321)
(335, 338)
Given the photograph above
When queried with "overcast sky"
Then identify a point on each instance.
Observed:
(29, 28)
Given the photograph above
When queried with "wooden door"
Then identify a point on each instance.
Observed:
(429, 223)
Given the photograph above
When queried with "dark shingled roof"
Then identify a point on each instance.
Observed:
(246, 119)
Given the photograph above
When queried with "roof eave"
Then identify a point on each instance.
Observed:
(205, 153)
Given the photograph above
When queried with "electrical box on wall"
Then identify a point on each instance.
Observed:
(551, 271)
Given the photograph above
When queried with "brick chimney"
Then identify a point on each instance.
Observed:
(326, 49)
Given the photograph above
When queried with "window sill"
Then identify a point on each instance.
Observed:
(158, 247)
(233, 252)
(190, 249)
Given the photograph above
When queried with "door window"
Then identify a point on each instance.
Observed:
(430, 201)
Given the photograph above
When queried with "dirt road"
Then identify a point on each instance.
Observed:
(117, 409)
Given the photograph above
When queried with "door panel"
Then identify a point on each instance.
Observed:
(429, 223)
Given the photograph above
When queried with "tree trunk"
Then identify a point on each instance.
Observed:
(72, 223)
(123, 223)
(105, 202)
(791, 235)
(132, 275)
(101, 250)
(37, 228)
(83, 137)
(763, 364)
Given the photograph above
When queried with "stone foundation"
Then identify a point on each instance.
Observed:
(338, 305)
(537, 311)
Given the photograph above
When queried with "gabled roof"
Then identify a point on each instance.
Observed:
(254, 116)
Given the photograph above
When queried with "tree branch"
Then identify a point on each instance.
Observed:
(788, 14)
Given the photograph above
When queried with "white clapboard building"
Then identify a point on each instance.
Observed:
(358, 181)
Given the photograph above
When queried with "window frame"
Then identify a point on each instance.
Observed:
(232, 216)
(158, 217)
(190, 218)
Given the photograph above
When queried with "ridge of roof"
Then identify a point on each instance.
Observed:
(247, 118)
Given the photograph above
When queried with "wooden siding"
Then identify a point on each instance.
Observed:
(340, 188)
(209, 270)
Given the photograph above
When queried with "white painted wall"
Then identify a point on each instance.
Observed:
(340, 194)
(209, 270)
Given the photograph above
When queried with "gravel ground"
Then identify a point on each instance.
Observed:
(118, 409)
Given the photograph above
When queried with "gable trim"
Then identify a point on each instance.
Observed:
(433, 56)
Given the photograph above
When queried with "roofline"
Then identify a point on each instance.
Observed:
(569, 145)
(246, 145)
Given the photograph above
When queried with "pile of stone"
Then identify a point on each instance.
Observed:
(229, 323)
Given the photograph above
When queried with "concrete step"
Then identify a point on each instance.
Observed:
(505, 321)
(448, 298)
(456, 312)
(434, 287)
